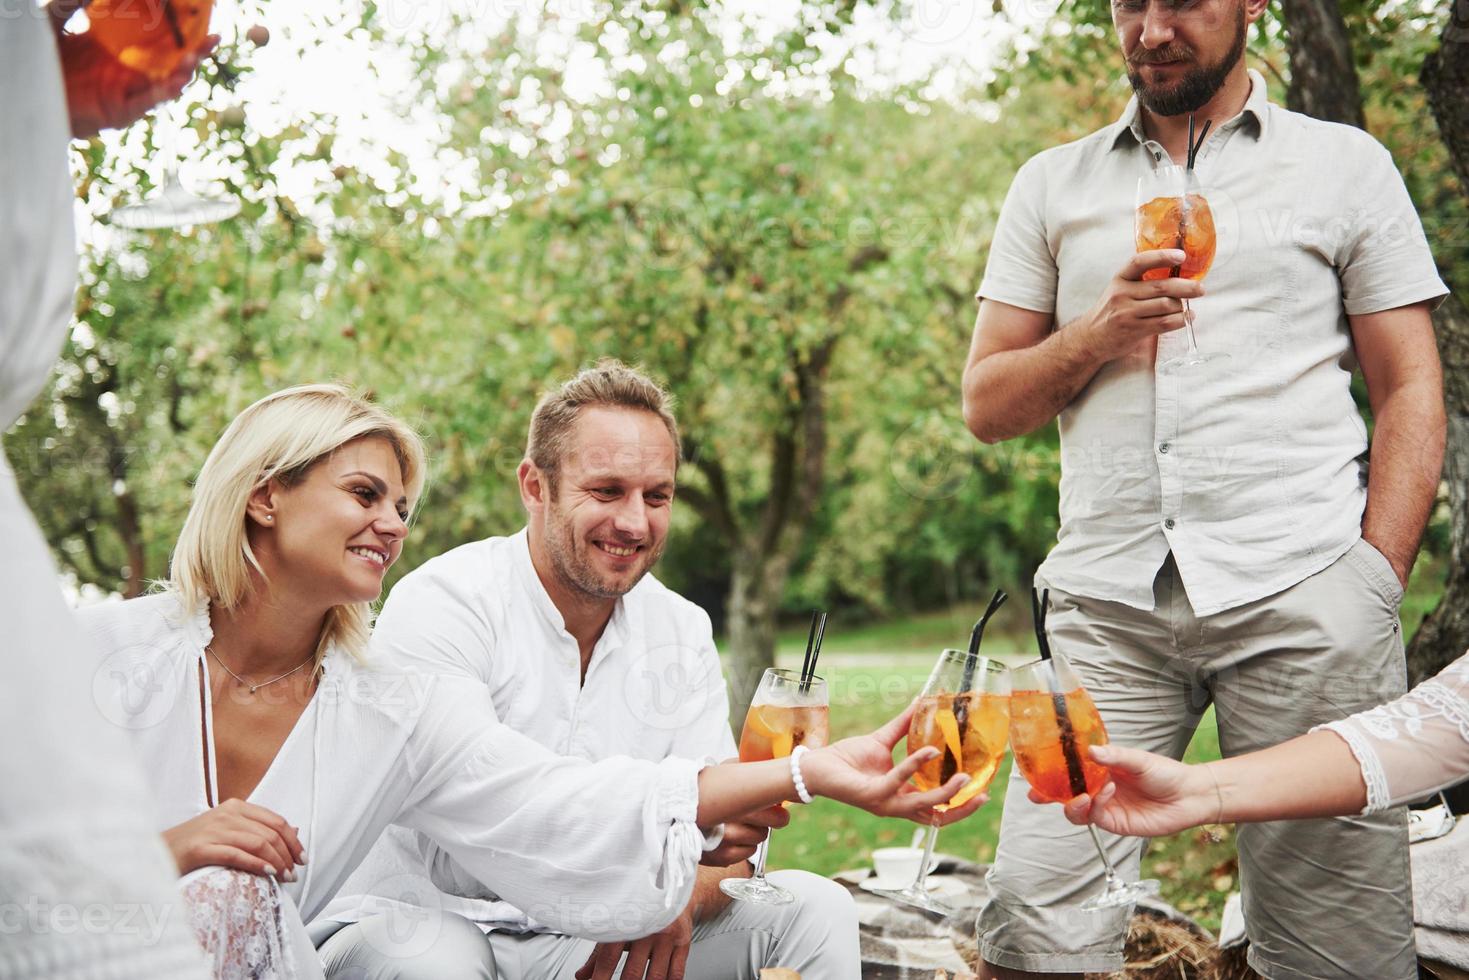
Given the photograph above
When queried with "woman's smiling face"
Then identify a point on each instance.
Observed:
(333, 535)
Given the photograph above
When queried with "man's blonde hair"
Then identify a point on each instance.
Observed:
(609, 384)
(280, 438)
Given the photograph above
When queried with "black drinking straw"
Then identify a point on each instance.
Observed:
(971, 662)
(1040, 604)
(1194, 147)
(813, 649)
(996, 601)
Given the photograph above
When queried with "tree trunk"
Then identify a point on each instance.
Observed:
(755, 589)
(1323, 74)
(1444, 634)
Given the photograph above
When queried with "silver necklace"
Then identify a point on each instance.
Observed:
(255, 687)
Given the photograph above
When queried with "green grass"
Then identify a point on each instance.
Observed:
(873, 675)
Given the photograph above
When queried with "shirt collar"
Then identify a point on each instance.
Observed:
(616, 631)
(1256, 111)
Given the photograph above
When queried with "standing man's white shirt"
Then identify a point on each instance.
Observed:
(1249, 469)
(654, 687)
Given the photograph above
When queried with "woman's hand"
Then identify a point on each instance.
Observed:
(1148, 796)
(860, 772)
(240, 835)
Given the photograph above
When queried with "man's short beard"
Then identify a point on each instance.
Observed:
(1198, 86)
(575, 573)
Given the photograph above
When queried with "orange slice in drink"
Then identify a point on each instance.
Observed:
(781, 742)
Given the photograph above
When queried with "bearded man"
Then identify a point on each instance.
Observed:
(1222, 540)
(591, 656)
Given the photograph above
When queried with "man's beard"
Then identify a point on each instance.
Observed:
(1198, 85)
(575, 569)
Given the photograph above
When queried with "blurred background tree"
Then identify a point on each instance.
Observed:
(789, 243)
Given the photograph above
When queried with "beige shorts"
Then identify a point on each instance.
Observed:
(1324, 899)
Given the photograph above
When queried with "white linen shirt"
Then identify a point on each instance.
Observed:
(654, 687)
(1250, 469)
(376, 746)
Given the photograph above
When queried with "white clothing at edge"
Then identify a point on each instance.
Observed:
(86, 885)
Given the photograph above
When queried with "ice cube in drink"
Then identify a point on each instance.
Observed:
(1036, 738)
(1178, 222)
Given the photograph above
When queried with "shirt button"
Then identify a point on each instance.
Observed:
(1163, 448)
(1168, 523)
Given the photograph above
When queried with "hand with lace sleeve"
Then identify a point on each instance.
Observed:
(1415, 745)
(1377, 759)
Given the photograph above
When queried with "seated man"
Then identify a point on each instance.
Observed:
(586, 653)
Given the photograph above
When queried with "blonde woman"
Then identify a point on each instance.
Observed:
(278, 755)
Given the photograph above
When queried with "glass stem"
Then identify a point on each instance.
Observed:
(1102, 853)
(764, 849)
(928, 842)
(1188, 319)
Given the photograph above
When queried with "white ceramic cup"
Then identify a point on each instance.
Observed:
(897, 864)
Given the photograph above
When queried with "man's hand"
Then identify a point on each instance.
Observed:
(102, 93)
(742, 837)
(1132, 311)
(661, 956)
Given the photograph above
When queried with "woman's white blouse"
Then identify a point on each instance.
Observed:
(605, 850)
(1416, 745)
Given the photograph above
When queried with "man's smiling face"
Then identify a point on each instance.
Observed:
(607, 510)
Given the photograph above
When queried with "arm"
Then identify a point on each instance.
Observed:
(1020, 375)
(1150, 795)
(1400, 363)
(536, 829)
(1383, 757)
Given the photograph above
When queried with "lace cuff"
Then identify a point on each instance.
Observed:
(241, 922)
(1379, 796)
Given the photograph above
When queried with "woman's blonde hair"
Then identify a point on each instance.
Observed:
(280, 438)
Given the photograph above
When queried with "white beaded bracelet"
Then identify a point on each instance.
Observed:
(801, 790)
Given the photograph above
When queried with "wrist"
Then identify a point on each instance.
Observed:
(1208, 794)
(816, 770)
(1084, 340)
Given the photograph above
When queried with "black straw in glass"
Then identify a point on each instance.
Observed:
(813, 649)
(1076, 776)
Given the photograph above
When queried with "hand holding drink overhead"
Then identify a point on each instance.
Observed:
(134, 55)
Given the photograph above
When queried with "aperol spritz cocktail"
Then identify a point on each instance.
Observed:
(1053, 725)
(784, 713)
(1041, 749)
(1173, 212)
(964, 712)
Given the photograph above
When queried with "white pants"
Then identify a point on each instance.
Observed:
(816, 935)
